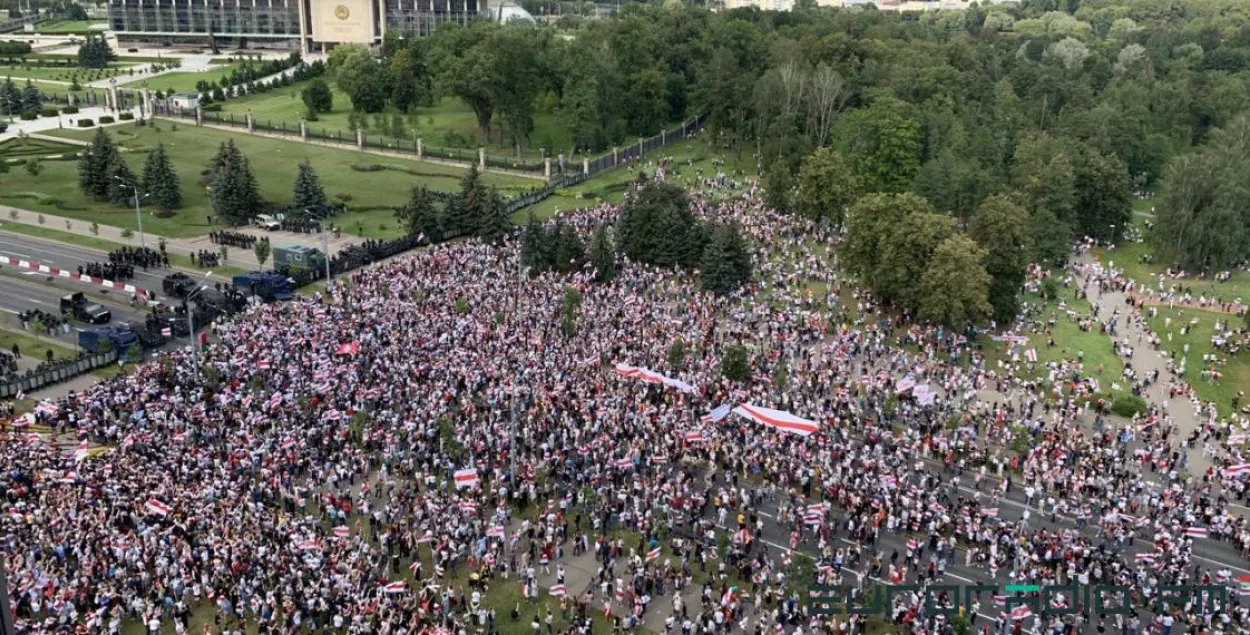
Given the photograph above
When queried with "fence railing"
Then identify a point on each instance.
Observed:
(561, 169)
(57, 373)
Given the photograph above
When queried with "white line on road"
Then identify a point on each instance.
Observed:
(34, 300)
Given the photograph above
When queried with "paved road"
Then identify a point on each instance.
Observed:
(66, 256)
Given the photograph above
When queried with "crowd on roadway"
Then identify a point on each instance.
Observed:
(311, 466)
(234, 239)
(142, 257)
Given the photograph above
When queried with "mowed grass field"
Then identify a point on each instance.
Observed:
(448, 123)
(181, 82)
(373, 194)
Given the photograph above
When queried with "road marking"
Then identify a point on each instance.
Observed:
(34, 300)
(33, 273)
(26, 256)
(10, 311)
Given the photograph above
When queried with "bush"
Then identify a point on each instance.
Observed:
(69, 110)
(164, 213)
(106, 119)
(28, 115)
(368, 167)
(212, 108)
(1128, 405)
(126, 116)
(132, 50)
(48, 112)
(85, 123)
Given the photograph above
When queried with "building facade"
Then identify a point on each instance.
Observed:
(290, 24)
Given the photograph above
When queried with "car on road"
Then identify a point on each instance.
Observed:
(178, 285)
(76, 306)
(271, 223)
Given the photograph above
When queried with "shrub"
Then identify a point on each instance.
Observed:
(85, 123)
(126, 116)
(48, 112)
(368, 167)
(212, 108)
(164, 213)
(132, 50)
(1128, 405)
(70, 110)
(106, 119)
(28, 115)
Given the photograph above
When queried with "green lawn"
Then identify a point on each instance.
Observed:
(1099, 359)
(71, 26)
(25, 147)
(1201, 325)
(181, 82)
(373, 194)
(64, 73)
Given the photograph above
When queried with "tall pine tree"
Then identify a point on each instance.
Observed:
(11, 98)
(481, 209)
(308, 192)
(233, 192)
(93, 177)
(32, 101)
(602, 255)
(160, 182)
(726, 264)
(422, 216)
(121, 181)
(535, 246)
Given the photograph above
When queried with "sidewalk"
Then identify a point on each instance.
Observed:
(1146, 359)
(236, 256)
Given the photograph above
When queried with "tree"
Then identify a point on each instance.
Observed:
(480, 209)
(908, 250)
(602, 255)
(827, 187)
(33, 166)
(570, 306)
(11, 95)
(870, 224)
(778, 184)
(160, 182)
(422, 215)
(568, 252)
(121, 181)
(32, 101)
(955, 286)
(410, 75)
(233, 194)
(307, 191)
(999, 228)
(882, 141)
(676, 353)
(93, 165)
(735, 365)
(261, 249)
(366, 81)
(318, 97)
(95, 52)
(536, 251)
(726, 265)
(1104, 195)
(657, 227)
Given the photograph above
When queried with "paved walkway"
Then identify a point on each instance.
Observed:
(1146, 359)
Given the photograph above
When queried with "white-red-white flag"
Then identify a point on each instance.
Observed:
(778, 419)
(466, 477)
(395, 587)
(157, 507)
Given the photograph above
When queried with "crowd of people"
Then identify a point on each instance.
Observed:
(374, 459)
(142, 257)
(234, 239)
(108, 270)
(206, 259)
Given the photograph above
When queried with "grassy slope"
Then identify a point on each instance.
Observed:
(274, 161)
(182, 82)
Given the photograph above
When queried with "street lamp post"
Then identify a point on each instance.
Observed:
(138, 216)
(191, 316)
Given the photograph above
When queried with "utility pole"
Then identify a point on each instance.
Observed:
(6, 612)
(325, 242)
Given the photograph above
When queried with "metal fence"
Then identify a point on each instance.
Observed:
(561, 170)
(57, 373)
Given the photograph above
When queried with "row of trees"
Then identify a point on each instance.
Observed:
(103, 175)
(18, 101)
(476, 210)
(95, 52)
(657, 227)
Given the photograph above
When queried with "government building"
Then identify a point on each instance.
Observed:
(303, 25)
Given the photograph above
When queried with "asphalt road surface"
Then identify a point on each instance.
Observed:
(65, 256)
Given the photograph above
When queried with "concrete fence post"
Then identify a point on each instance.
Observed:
(199, 116)
(616, 156)
(360, 139)
(251, 123)
(303, 131)
(547, 167)
(481, 158)
(420, 148)
(586, 167)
